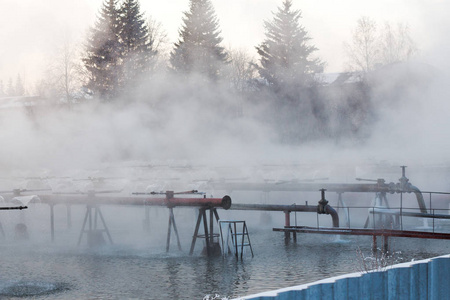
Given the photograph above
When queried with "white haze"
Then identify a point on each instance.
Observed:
(180, 123)
(91, 136)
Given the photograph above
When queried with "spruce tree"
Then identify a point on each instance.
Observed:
(102, 60)
(137, 46)
(285, 55)
(10, 89)
(198, 48)
(2, 89)
(19, 88)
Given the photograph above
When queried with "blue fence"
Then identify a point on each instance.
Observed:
(427, 279)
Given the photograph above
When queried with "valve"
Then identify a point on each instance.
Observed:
(322, 203)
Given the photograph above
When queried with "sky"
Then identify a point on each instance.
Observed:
(31, 30)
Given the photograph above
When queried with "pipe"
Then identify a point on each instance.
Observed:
(224, 202)
(305, 187)
(419, 197)
(324, 208)
(334, 215)
(288, 208)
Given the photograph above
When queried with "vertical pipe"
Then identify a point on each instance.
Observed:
(89, 208)
(205, 227)
(69, 216)
(374, 243)
(433, 220)
(52, 222)
(211, 227)
(242, 239)
(197, 226)
(175, 230)
(385, 243)
(84, 226)
(95, 217)
(168, 230)
(235, 241)
(104, 224)
(147, 219)
(401, 211)
(287, 223)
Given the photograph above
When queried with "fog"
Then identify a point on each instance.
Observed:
(194, 123)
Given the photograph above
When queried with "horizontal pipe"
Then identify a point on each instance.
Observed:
(289, 208)
(305, 187)
(13, 207)
(371, 232)
(388, 211)
(274, 207)
(224, 202)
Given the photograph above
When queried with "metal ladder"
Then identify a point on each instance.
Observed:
(235, 232)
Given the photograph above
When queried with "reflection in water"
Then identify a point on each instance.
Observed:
(124, 271)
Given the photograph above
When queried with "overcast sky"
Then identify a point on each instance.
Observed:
(30, 30)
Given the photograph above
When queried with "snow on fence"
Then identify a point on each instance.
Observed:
(425, 279)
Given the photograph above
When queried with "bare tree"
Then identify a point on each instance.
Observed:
(363, 50)
(242, 69)
(158, 36)
(396, 44)
(62, 79)
(371, 47)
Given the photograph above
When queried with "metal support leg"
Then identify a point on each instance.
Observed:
(172, 223)
(147, 219)
(104, 224)
(197, 226)
(385, 244)
(52, 222)
(205, 227)
(69, 216)
(287, 223)
(84, 224)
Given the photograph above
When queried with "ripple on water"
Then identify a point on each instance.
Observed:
(30, 288)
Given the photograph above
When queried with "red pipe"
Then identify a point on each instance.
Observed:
(224, 202)
(287, 218)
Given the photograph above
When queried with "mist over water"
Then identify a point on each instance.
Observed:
(174, 134)
(200, 123)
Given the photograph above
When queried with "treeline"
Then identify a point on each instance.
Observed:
(284, 88)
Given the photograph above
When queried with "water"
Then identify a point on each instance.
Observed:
(136, 266)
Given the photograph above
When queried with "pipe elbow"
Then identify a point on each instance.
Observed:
(334, 215)
(419, 196)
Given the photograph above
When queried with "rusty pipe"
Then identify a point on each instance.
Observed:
(224, 202)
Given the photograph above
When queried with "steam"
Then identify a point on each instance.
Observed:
(194, 122)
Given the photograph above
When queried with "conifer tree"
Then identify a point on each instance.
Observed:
(2, 89)
(198, 48)
(137, 46)
(10, 89)
(19, 88)
(102, 60)
(285, 55)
